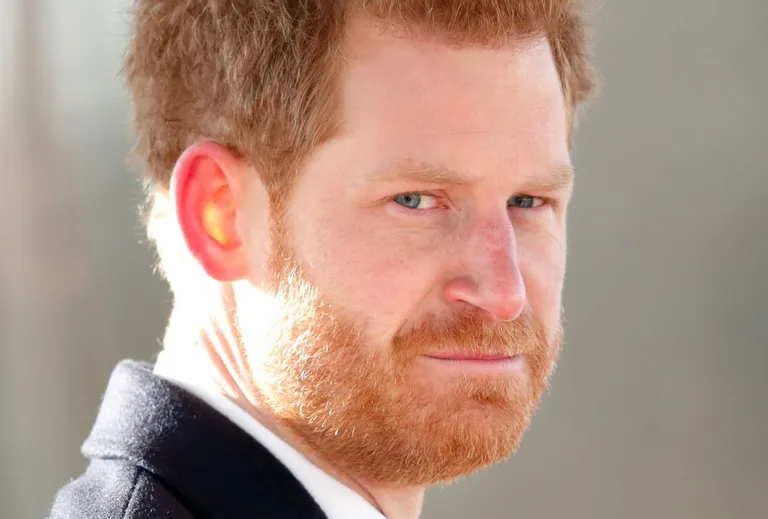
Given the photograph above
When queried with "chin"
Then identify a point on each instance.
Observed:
(462, 429)
(469, 441)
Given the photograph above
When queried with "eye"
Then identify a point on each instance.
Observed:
(525, 202)
(416, 201)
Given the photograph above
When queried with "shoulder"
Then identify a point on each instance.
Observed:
(117, 489)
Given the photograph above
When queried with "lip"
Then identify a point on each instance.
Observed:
(469, 364)
(470, 357)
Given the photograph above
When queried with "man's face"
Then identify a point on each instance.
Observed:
(419, 264)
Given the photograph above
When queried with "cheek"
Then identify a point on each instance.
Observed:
(367, 273)
(542, 264)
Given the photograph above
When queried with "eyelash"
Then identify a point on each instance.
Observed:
(543, 202)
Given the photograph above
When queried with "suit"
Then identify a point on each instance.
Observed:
(157, 451)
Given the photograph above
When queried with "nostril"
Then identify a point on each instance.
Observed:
(507, 311)
(500, 301)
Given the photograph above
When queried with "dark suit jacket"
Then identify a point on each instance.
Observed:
(158, 452)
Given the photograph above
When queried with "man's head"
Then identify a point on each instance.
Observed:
(387, 199)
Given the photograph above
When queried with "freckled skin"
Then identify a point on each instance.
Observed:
(385, 269)
(495, 116)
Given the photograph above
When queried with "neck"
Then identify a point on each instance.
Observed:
(205, 347)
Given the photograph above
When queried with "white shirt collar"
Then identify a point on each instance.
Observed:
(335, 499)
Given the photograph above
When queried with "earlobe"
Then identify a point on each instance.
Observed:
(203, 188)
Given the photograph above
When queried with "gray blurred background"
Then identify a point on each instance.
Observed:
(659, 406)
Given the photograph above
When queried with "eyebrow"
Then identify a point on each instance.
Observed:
(556, 179)
(417, 171)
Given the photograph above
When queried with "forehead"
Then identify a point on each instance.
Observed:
(421, 98)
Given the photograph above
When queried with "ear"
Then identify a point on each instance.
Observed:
(206, 198)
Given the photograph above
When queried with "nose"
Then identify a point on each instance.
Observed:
(491, 279)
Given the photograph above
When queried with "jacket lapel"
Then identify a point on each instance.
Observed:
(214, 467)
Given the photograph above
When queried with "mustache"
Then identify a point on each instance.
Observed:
(472, 333)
